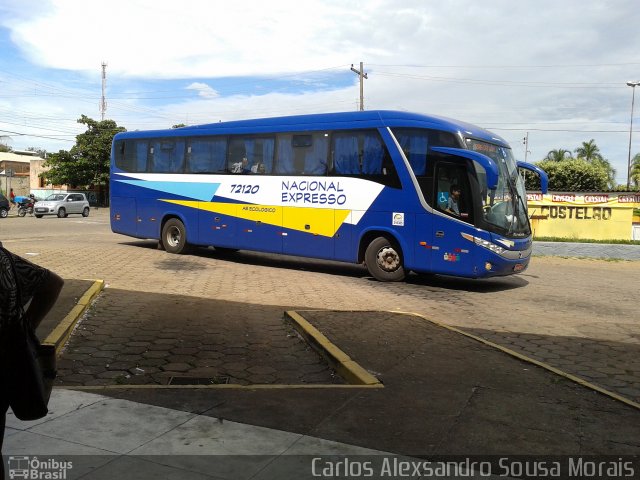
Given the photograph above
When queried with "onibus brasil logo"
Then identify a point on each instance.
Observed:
(37, 469)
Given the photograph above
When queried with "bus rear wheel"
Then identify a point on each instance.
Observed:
(384, 260)
(174, 236)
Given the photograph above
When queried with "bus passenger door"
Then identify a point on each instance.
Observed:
(308, 232)
(453, 215)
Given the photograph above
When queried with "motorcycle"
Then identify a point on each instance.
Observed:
(25, 206)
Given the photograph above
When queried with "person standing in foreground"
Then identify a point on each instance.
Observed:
(22, 279)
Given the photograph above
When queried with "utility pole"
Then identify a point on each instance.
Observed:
(103, 102)
(525, 140)
(362, 76)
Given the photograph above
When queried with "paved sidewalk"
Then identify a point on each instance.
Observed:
(587, 250)
(106, 438)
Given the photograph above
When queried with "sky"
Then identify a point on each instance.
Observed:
(553, 71)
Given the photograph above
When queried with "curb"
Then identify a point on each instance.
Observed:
(348, 369)
(59, 336)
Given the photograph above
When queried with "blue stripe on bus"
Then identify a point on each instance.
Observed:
(198, 191)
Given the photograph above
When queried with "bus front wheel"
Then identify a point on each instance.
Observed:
(384, 260)
(174, 236)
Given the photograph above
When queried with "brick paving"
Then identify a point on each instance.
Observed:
(580, 315)
(133, 339)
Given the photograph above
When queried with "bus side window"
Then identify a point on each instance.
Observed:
(372, 155)
(302, 154)
(251, 155)
(132, 156)
(206, 155)
(363, 154)
(311, 153)
(166, 155)
(346, 156)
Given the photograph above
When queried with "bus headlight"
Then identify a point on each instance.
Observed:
(484, 243)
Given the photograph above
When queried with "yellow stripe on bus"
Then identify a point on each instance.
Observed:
(317, 221)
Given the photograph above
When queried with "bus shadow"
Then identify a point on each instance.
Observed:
(246, 257)
(329, 267)
(481, 285)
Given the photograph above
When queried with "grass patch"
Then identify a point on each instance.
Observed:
(586, 240)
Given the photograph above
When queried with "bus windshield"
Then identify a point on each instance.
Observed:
(504, 208)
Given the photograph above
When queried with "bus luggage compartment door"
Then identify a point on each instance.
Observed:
(308, 232)
(148, 218)
(124, 216)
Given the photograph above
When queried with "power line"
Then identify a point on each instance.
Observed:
(559, 130)
(37, 136)
(592, 65)
(507, 83)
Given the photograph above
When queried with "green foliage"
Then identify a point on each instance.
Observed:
(588, 171)
(42, 153)
(635, 170)
(87, 163)
(558, 155)
(4, 147)
(571, 174)
(589, 151)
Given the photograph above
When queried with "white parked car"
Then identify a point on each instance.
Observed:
(62, 204)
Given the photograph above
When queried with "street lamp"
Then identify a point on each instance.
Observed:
(633, 85)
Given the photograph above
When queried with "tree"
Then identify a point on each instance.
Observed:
(635, 170)
(558, 155)
(87, 163)
(570, 175)
(179, 125)
(42, 153)
(589, 151)
(4, 147)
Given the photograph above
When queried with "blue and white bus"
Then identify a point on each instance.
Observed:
(396, 191)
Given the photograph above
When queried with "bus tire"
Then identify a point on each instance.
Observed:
(384, 260)
(174, 236)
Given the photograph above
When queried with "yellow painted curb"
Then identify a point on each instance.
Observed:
(226, 386)
(520, 356)
(348, 369)
(59, 336)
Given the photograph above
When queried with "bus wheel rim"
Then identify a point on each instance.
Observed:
(173, 237)
(388, 259)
